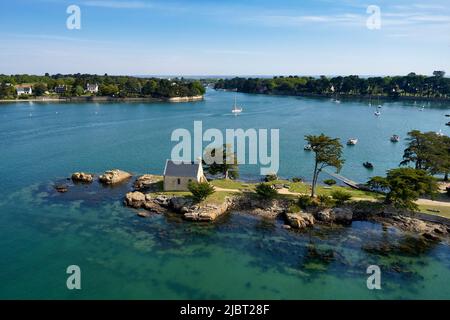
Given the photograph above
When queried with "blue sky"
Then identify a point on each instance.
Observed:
(230, 37)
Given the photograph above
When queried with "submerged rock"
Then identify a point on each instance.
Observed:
(114, 176)
(143, 214)
(300, 220)
(62, 188)
(82, 177)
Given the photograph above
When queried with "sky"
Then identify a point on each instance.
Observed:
(229, 37)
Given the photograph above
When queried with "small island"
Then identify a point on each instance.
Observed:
(87, 87)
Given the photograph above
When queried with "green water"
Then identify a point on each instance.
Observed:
(163, 257)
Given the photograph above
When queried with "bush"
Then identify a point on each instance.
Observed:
(304, 201)
(330, 182)
(270, 177)
(293, 208)
(341, 196)
(265, 190)
(200, 190)
(325, 201)
(297, 179)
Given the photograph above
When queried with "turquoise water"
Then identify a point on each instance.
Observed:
(240, 256)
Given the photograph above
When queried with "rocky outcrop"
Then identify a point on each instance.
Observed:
(208, 212)
(135, 199)
(339, 215)
(180, 204)
(342, 215)
(299, 220)
(147, 182)
(114, 176)
(138, 200)
(429, 230)
(259, 207)
(82, 177)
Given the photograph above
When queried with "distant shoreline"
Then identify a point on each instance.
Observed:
(344, 96)
(107, 99)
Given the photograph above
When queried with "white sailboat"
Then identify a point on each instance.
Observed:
(235, 109)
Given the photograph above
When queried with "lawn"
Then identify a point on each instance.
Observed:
(232, 184)
(443, 210)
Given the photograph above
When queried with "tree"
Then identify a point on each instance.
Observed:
(428, 151)
(108, 90)
(200, 190)
(439, 74)
(328, 153)
(404, 186)
(266, 191)
(221, 160)
(78, 90)
(39, 89)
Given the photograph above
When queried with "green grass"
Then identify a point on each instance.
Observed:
(232, 184)
(217, 197)
(300, 187)
(443, 211)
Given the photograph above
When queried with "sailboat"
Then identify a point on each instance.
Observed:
(235, 109)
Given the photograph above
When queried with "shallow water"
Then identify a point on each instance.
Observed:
(162, 257)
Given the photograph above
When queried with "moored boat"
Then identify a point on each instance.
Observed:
(235, 109)
(368, 165)
(395, 138)
(307, 147)
(352, 141)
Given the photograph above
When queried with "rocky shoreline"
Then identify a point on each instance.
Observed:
(105, 99)
(148, 199)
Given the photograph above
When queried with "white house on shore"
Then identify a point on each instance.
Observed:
(92, 88)
(178, 175)
(23, 89)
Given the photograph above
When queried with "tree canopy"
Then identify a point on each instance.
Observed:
(121, 86)
(404, 186)
(428, 151)
(221, 160)
(328, 153)
(412, 85)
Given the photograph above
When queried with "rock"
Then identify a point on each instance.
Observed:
(62, 188)
(209, 212)
(82, 177)
(143, 214)
(324, 215)
(114, 176)
(300, 220)
(343, 215)
(177, 203)
(147, 182)
(135, 199)
(430, 236)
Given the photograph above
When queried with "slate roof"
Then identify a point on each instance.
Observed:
(181, 169)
